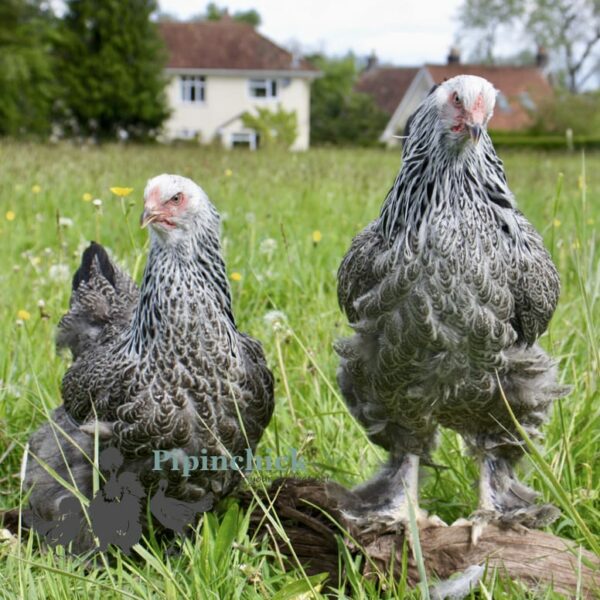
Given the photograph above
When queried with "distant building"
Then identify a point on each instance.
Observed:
(220, 69)
(399, 90)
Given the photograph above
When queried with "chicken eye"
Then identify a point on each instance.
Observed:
(176, 199)
(456, 99)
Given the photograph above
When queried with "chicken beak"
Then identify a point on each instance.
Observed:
(147, 217)
(475, 132)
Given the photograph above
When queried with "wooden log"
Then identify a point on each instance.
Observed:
(312, 521)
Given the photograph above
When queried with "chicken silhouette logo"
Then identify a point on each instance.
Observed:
(176, 514)
(115, 512)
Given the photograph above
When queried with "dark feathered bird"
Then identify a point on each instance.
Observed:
(159, 368)
(447, 292)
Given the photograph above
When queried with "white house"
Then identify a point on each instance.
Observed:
(220, 69)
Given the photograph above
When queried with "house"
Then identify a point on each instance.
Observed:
(218, 70)
(399, 90)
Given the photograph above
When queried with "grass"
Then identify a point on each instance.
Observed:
(285, 199)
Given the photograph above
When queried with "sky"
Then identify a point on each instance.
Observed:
(401, 32)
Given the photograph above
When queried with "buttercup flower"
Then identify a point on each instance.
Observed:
(317, 236)
(228, 172)
(235, 276)
(121, 191)
(24, 315)
(10, 215)
(87, 197)
(556, 223)
(36, 189)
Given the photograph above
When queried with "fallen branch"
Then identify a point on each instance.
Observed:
(311, 520)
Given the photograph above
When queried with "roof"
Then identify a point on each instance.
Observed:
(226, 45)
(387, 85)
(520, 87)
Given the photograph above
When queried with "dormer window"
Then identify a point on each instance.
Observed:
(192, 88)
(263, 88)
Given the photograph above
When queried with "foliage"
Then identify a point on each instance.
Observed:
(543, 141)
(110, 67)
(216, 13)
(272, 206)
(564, 110)
(570, 29)
(26, 80)
(338, 113)
(276, 128)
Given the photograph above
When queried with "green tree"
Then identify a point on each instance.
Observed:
(277, 129)
(569, 29)
(111, 61)
(216, 13)
(338, 113)
(27, 86)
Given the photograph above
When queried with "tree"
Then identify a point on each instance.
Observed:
(216, 13)
(569, 29)
(27, 86)
(338, 113)
(111, 61)
(277, 129)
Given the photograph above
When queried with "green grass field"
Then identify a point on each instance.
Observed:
(287, 221)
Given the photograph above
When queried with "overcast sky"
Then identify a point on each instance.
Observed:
(401, 32)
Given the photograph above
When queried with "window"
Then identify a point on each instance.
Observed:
(503, 103)
(263, 88)
(244, 140)
(192, 88)
(527, 101)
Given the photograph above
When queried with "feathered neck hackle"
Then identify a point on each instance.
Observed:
(439, 174)
(181, 277)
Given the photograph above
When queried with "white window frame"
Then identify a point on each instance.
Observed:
(244, 137)
(269, 85)
(192, 89)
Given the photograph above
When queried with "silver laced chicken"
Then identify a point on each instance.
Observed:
(159, 368)
(447, 292)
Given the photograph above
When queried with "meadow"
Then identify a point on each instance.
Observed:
(287, 221)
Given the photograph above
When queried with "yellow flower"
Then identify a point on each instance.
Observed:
(23, 315)
(36, 189)
(235, 276)
(121, 191)
(590, 221)
(10, 215)
(581, 182)
(228, 172)
(87, 197)
(317, 236)
(556, 223)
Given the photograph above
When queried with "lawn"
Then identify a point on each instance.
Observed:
(287, 221)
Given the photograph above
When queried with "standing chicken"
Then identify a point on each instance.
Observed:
(162, 368)
(447, 292)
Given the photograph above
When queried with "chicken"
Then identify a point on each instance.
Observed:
(448, 292)
(162, 368)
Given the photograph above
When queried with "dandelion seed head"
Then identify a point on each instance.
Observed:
(65, 222)
(59, 272)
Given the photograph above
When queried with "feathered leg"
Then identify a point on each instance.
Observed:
(385, 501)
(504, 500)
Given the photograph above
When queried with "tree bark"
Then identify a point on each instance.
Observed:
(312, 522)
